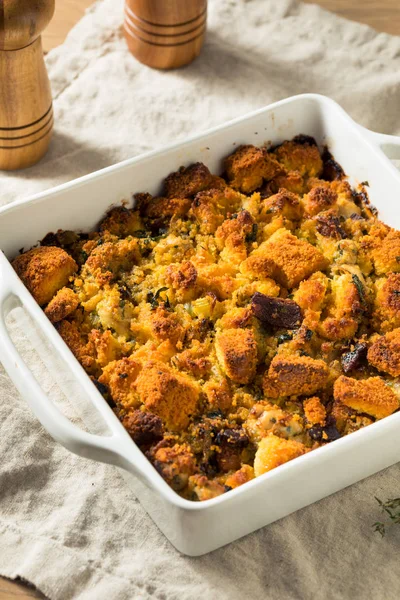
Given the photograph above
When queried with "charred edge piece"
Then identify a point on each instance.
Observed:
(302, 139)
(328, 433)
(332, 170)
(305, 140)
(236, 438)
(144, 428)
(277, 312)
(329, 226)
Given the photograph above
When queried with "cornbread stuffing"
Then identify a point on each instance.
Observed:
(235, 322)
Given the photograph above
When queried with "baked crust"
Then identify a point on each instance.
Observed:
(232, 323)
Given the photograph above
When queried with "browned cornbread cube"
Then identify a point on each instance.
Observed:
(318, 199)
(314, 411)
(294, 376)
(143, 427)
(120, 377)
(61, 305)
(107, 347)
(237, 354)
(249, 166)
(304, 158)
(166, 325)
(44, 271)
(81, 348)
(284, 203)
(384, 354)
(371, 396)
(387, 303)
(109, 259)
(121, 221)
(188, 181)
(158, 212)
(311, 293)
(211, 206)
(167, 393)
(285, 258)
(386, 256)
(175, 464)
(274, 451)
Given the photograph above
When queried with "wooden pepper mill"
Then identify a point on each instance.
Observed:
(165, 34)
(26, 112)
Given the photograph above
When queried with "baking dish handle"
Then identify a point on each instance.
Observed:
(389, 144)
(111, 449)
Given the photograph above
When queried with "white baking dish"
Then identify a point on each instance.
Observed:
(197, 528)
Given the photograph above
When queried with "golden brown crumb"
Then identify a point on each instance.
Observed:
(160, 208)
(188, 181)
(384, 354)
(175, 464)
(285, 258)
(169, 394)
(218, 393)
(243, 475)
(205, 489)
(295, 375)
(387, 303)
(109, 259)
(61, 305)
(44, 271)
(314, 411)
(121, 221)
(79, 346)
(285, 203)
(120, 377)
(274, 451)
(319, 199)
(371, 396)
(304, 158)
(166, 326)
(237, 354)
(249, 166)
(386, 255)
(210, 207)
(106, 346)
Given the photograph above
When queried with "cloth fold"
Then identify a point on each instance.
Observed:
(73, 527)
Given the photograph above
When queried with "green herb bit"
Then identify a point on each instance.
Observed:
(140, 233)
(365, 183)
(252, 236)
(360, 288)
(154, 299)
(398, 259)
(284, 337)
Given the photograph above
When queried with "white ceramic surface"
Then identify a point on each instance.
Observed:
(197, 528)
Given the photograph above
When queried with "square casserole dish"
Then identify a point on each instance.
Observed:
(196, 528)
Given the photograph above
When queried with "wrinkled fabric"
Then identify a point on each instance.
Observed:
(73, 527)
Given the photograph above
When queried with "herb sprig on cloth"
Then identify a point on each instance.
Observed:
(391, 508)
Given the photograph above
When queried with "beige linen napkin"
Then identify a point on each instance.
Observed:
(73, 527)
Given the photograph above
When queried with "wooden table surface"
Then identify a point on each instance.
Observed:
(383, 15)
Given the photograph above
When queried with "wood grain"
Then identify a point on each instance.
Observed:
(383, 15)
(165, 34)
(67, 14)
(25, 98)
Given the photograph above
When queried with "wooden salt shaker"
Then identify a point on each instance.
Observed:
(26, 113)
(165, 34)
